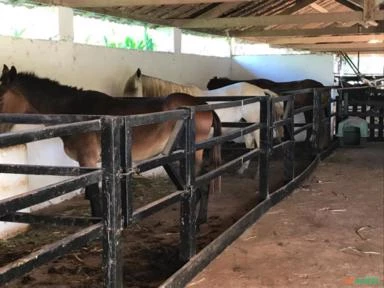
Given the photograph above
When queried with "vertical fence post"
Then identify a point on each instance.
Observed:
(188, 202)
(339, 116)
(345, 105)
(381, 125)
(289, 149)
(326, 110)
(316, 122)
(265, 125)
(126, 166)
(112, 214)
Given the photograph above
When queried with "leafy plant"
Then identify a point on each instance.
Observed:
(18, 33)
(130, 43)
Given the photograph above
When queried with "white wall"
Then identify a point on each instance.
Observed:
(88, 67)
(105, 69)
(12, 184)
(281, 68)
(45, 152)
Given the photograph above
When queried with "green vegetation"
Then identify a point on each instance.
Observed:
(130, 43)
(18, 33)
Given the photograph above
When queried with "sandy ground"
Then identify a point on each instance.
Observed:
(307, 240)
(328, 233)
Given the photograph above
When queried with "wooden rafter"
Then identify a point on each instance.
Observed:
(350, 4)
(336, 47)
(298, 6)
(126, 3)
(320, 39)
(308, 32)
(319, 8)
(301, 19)
(219, 10)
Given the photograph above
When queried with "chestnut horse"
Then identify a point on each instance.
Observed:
(301, 99)
(27, 93)
(141, 85)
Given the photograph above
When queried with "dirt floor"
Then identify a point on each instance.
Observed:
(151, 247)
(328, 233)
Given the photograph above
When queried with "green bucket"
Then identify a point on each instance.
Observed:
(351, 135)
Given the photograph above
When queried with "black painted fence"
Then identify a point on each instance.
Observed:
(366, 103)
(117, 170)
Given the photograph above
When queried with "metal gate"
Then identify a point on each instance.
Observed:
(117, 170)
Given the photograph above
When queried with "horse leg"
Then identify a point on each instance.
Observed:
(249, 141)
(202, 193)
(87, 152)
(92, 193)
(202, 197)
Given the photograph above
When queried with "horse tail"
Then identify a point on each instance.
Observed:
(216, 152)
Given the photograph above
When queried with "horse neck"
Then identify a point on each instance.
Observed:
(154, 87)
(43, 97)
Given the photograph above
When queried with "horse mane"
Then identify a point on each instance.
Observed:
(155, 87)
(32, 82)
(54, 97)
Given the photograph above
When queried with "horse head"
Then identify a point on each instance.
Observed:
(8, 75)
(134, 85)
(12, 99)
(219, 82)
(277, 114)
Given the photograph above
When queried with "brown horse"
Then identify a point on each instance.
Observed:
(277, 87)
(301, 99)
(27, 93)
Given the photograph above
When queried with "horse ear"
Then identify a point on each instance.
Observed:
(12, 74)
(4, 75)
(138, 73)
(5, 69)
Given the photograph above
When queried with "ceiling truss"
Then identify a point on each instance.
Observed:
(317, 25)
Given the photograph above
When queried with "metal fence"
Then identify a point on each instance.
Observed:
(117, 170)
(366, 103)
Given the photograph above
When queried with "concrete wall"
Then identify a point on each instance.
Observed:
(89, 67)
(105, 69)
(284, 67)
(12, 184)
(45, 152)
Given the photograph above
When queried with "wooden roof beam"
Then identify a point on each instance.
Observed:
(309, 32)
(320, 39)
(335, 47)
(298, 6)
(126, 3)
(350, 4)
(219, 10)
(301, 19)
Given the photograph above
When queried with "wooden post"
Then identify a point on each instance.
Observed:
(289, 149)
(112, 214)
(265, 124)
(126, 166)
(66, 32)
(316, 122)
(188, 202)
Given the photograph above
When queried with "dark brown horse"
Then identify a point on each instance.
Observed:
(301, 99)
(27, 93)
(277, 87)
